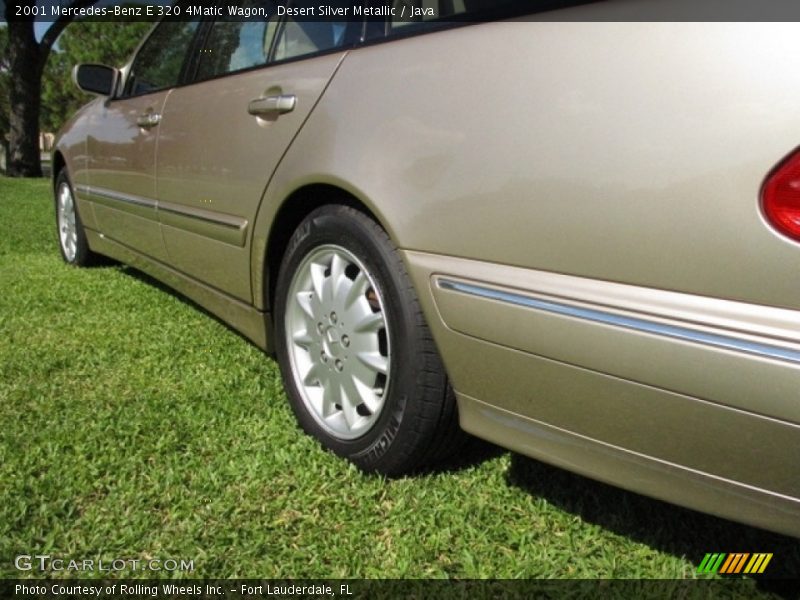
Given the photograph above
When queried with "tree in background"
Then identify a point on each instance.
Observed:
(4, 108)
(26, 60)
(83, 42)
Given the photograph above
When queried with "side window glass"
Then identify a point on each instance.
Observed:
(159, 62)
(235, 43)
(300, 38)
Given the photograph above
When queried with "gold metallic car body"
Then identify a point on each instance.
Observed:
(577, 205)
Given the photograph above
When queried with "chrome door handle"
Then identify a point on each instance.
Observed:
(148, 120)
(271, 105)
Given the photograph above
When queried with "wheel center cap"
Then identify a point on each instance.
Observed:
(332, 343)
(332, 336)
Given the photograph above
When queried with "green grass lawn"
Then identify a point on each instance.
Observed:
(134, 425)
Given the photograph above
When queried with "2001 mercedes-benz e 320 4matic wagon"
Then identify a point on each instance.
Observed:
(578, 240)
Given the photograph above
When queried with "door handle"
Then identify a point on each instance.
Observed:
(272, 105)
(148, 119)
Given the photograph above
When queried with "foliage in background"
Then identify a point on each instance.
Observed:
(27, 55)
(83, 42)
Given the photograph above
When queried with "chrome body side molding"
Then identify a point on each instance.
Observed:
(597, 315)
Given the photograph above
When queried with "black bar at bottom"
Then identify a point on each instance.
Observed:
(356, 589)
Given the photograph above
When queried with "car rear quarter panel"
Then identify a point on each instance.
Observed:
(624, 160)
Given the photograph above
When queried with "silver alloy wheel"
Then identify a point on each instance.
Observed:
(338, 341)
(67, 230)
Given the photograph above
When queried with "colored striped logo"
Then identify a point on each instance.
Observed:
(737, 562)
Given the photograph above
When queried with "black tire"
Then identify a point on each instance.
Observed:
(76, 252)
(418, 423)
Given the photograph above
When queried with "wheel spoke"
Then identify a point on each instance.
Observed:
(358, 289)
(315, 399)
(376, 362)
(341, 287)
(305, 300)
(332, 396)
(318, 280)
(370, 323)
(350, 402)
(316, 376)
(367, 395)
(303, 339)
(337, 270)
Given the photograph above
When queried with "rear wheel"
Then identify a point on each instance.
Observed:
(71, 235)
(361, 370)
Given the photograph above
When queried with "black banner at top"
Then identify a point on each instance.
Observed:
(411, 11)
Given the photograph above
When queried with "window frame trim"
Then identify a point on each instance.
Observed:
(185, 65)
(369, 36)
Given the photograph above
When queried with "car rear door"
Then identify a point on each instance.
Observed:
(221, 138)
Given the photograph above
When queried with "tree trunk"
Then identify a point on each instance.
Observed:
(25, 96)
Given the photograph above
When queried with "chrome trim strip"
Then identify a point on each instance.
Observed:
(633, 323)
(118, 196)
(203, 215)
(184, 211)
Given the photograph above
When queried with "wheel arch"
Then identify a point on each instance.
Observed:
(57, 164)
(288, 216)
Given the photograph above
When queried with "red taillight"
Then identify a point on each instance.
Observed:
(780, 197)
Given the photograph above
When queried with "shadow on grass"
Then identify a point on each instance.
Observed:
(662, 526)
(473, 452)
(166, 289)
